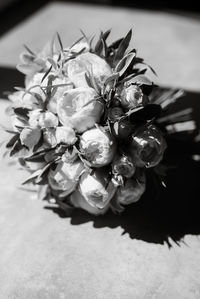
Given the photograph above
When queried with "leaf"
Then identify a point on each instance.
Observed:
(141, 80)
(59, 40)
(32, 178)
(29, 50)
(148, 112)
(12, 140)
(21, 111)
(124, 63)
(16, 147)
(116, 43)
(43, 192)
(77, 41)
(46, 74)
(123, 46)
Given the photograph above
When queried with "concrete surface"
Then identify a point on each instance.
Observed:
(44, 255)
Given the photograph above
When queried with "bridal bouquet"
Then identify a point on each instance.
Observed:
(87, 125)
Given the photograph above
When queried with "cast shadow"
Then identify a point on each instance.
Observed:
(162, 215)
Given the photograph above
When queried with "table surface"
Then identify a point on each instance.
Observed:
(46, 255)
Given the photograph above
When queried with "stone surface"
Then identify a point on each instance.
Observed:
(44, 255)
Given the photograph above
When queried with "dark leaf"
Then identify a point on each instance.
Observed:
(21, 111)
(16, 147)
(124, 63)
(148, 112)
(46, 74)
(123, 46)
(12, 140)
(59, 40)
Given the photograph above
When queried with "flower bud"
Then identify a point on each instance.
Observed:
(65, 135)
(147, 146)
(115, 113)
(49, 137)
(133, 188)
(38, 118)
(131, 97)
(122, 128)
(96, 188)
(65, 177)
(123, 165)
(30, 137)
(98, 147)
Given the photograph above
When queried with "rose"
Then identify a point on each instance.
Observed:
(131, 97)
(147, 146)
(30, 136)
(38, 85)
(43, 119)
(65, 135)
(79, 109)
(132, 189)
(123, 165)
(98, 147)
(87, 63)
(96, 188)
(65, 177)
(78, 201)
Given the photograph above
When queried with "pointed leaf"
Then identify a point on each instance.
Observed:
(123, 46)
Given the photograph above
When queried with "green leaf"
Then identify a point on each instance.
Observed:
(12, 140)
(32, 178)
(43, 192)
(16, 147)
(29, 50)
(123, 46)
(46, 74)
(60, 41)
(141, 80)
(22, 111)
(124, 63)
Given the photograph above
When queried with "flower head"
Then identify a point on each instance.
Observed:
(96, 188)
(87, 63)
(65, 177)
(133, 188)
(98, 147)
(131, 97)
(79, 109)
(43, 119)
(65, 135)
(30, 136)
(147, 146)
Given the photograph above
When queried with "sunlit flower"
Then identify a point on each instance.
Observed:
(98, 147)
(65, 177)
(87, 63)
(78, 201)
(38, 118)
(96, 188)
(79, 108)
(65, 135)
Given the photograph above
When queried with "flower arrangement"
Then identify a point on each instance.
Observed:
(88, 123)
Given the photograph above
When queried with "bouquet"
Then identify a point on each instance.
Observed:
(89, 123)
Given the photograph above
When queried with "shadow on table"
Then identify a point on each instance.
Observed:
(170, 215)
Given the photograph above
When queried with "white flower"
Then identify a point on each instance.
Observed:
(133, 188)
(98, 147)
(38, 118)
(87, 63)
(65, 177)
(79, 109)
(30, 137)
(65, 135)
(96, 188)
(78, 201)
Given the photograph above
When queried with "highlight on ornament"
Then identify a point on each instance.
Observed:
(89, 123)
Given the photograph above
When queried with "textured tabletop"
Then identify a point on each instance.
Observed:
(46, 255)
